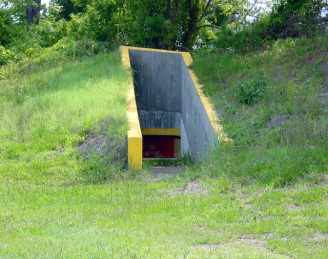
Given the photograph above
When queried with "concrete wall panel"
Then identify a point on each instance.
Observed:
(157, 78)
(198, 127)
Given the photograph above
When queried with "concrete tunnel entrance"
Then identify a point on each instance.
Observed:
(157, 82)
(168, 114)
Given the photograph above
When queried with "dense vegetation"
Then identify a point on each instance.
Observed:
(65, 190)
(31, 33)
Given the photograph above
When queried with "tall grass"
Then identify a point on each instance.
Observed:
(268, 101)
(45, 116)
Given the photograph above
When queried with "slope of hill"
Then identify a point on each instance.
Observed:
(48, 118)
(273, 103)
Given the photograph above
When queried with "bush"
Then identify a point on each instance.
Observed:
(5, 55)
(250, 38)
(5, 27)
(251, 91)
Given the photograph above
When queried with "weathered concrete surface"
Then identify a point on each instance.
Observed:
(198, 128)
(157, 80)
(184, 140)
(159, 119)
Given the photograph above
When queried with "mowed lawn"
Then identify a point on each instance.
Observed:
(62, 197)
(175, 218)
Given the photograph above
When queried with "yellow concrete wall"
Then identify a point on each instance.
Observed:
(161, 132)
(134, 132)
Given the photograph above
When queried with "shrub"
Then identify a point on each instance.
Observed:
(251, 91)
(5, 55)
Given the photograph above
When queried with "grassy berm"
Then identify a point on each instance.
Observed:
(65, 191)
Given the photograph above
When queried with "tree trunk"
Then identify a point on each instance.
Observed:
(33, 12)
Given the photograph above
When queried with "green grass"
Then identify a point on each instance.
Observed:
(167, 218)
(45, 116)
(266, 197)
(269, 105)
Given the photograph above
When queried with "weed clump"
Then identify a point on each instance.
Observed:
(251, 91)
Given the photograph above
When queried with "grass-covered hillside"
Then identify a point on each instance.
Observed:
(62, 139)
(274, 104)
(48, 119)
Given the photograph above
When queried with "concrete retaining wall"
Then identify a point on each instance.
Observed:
(198, 127)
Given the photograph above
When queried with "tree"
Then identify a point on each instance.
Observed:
(295, 18)
(165, 24)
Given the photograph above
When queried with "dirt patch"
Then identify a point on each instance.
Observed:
(320, 236)
(194, 187)
(276, 121)
(323, 181)
(102, 145)
(219, 112)
(162, 172)
(323, 100)
(295, 208)
(253, 241)
(207, 245)
(191, 188)
(248, 241)
(323, 93)
(324, 69)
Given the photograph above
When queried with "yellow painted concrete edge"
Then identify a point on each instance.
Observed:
(134, 132)
(211, 113)
(161, 131)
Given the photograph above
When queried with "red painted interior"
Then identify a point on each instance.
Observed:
(158, 146)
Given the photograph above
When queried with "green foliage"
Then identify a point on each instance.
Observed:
(6, 24)
(250, 38)
(295, 18)
(287, 19)
(98, 23)
(251, 91)
(165, 24)
(69, 7)
(48, 31)
(5, 55)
